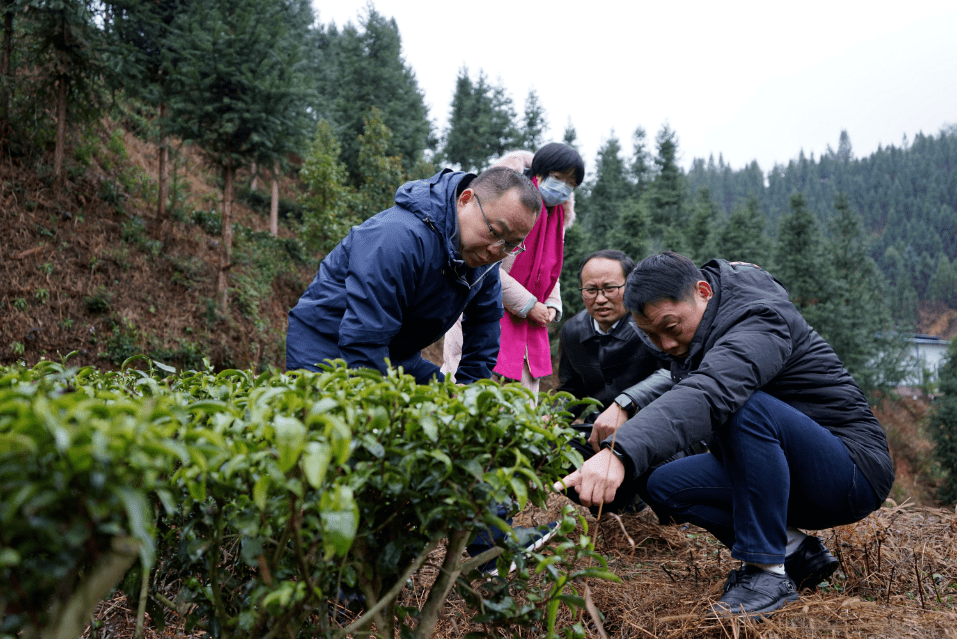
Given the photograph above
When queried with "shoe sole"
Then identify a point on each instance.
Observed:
(723, 611)
(541, 541)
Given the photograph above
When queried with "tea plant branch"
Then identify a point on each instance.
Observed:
(389, 596)
(281, 545)
(75, 613)
(439, 592)
(280, 625)
(296, 524)
(480, 559)
(180, 609)
(141, 607)
(214, 567)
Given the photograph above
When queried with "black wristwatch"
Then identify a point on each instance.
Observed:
(626, 403)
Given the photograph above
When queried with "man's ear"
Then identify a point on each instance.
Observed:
(466, 196)
(703, 289)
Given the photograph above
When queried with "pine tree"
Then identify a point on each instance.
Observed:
(631, 232)
(328, 201)
(234, 93)
(481, 123)
(498, 123)
(65, 50)
(943, 425)
(458, 143)
(577, 248)
(381, 175)
(641, 163)
(704, 225)
(7, 9)
(857, 323)
(532, 130)
(743, 237)
(137, 35)
(363, 67)
(667, 190)
(609, 191)
(943, 284)
(570, 137)
(800, 263)
(844, 151)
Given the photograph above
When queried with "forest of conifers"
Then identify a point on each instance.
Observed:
(858, 241)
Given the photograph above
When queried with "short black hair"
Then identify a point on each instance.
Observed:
(627, 264)
(665, 276)
(494, 182)
(556, 156)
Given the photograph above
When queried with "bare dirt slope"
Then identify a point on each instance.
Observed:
(91, 268)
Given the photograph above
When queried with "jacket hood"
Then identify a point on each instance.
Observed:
(434, 202)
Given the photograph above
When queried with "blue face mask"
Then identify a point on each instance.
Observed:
(554, 191)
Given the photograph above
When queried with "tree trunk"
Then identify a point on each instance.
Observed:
(6, 78)
(274, 203)
(255, 175)
(222, 288)
(59, 150)
(163, 176)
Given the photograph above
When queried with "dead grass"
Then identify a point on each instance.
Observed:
(897, 578)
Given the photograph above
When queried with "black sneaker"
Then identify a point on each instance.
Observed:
(531, 540)
(810, 564)
(752, 592)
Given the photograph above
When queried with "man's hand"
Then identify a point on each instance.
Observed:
(607, 423)
(597, 481)
(541, 314)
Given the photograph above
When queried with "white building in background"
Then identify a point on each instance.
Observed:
(927, 354)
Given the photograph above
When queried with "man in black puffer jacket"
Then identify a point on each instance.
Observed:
(602, 356)
(794, 443)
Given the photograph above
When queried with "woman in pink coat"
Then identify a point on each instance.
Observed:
(530, 290)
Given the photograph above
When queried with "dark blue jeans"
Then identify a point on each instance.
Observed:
(770, 466)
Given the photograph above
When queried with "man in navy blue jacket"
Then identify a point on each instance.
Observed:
(400, 279)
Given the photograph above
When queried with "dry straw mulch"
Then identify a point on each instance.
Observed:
(897, 578)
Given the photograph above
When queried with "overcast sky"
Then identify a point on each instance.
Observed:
(749, 80)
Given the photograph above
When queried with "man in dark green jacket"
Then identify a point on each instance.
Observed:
(794, 443)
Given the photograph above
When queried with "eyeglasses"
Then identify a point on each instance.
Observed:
(501, 241)
(591, 293)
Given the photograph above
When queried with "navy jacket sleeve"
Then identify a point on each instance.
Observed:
(379, 287)
(421, 369)
(481, 331)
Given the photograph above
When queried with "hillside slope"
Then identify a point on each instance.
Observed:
(91, 269)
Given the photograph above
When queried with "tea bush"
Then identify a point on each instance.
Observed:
(257, 502)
